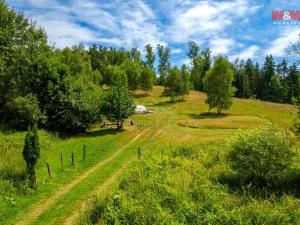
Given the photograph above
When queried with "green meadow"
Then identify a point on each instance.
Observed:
(64, 197)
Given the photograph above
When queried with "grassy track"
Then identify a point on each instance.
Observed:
(75, 185)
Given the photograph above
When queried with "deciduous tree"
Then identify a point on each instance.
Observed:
(218, 85)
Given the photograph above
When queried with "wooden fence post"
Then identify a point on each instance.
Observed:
(73, 158)
(139, 153)
(84, 152)
(49, 171)
(61, 162)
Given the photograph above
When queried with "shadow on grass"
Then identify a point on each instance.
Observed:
(140, 95)
(167, 103)
(208, 115)
(288, 183)
(97, 133)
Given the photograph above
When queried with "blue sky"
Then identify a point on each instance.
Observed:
(236, 28)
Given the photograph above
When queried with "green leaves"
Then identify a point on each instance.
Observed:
(31, 153)
(217, 85)
(117, 104)
(261, 154)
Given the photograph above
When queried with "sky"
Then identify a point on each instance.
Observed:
(236, 28)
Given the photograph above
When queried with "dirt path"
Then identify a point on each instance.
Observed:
(41, 206)
(83, 205)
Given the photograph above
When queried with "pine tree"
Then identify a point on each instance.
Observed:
(31, 154)
(293, 85)
(268, 72)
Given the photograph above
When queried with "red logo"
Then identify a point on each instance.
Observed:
(285, 15)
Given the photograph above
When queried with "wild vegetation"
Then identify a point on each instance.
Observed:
(185, 174)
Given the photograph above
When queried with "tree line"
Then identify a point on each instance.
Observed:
(62, 89)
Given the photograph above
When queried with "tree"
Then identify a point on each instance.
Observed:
(25, 112)
(22, 45)
(197, 73)
(293, 85)
(150, 59)
(146, 79)
(218, 85)
(117, 76)
(275, 89)
(241, 79)
(133, 71)
(200, 62)
(249, 71)
(268, 72)
(194, 50)
(75, 109)
(173, 83)
(117, 105)
(164, 63)
(31, 154)
(260, 155)
(184, 81)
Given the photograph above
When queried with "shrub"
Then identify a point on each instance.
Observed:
(260, 154)
(31, 154)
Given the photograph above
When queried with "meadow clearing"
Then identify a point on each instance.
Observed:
(63, 197)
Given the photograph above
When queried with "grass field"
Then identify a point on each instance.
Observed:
(110, 152)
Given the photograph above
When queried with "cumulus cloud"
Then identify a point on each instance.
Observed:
(198, 19)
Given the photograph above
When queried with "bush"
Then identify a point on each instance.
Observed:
(260, 154)
(25, 111)
(76, 110)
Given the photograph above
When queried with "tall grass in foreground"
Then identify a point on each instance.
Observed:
(12, 164)
(182, 187)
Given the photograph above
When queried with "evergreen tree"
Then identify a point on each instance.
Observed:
(258, 90)
(275, 89)
(282, 68)
(293, 85)
(31, 154)
(218, 85)
(251, 75)
(268, 72)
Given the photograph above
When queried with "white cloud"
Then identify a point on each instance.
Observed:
(119, 23)
(221, 45)
(202, 19)
(176, 50)
(287, 36)
(247, 53)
